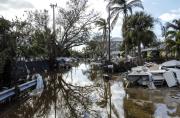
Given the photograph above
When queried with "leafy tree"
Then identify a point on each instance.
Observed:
(94, 47)
(122, 6)
(4, 25)
(139, 31)
(103, 25)
(170, 46)
(7, 53)
(32, 35)
(74, 24)
(173, 34)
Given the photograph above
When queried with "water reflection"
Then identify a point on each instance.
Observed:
(161, 103)
(79, 76)
(59, 99)
(82, 93)
(70, 94)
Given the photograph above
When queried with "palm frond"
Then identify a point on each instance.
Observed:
(150, 36)
(115, 19)
(135, 3)
(110, 4)
(171, 34)
(178, 42)
(177, 23)
(170, 25)
(170, 42)
(122, 6)
(101, 22)
(115, 10)
(130, 10)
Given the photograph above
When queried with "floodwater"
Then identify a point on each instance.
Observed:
(82, 93)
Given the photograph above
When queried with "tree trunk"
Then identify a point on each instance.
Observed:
(166, 55)
(126, 51)
(126, 47)
(139, 54)
(178, 52)
(52, 54)
(105, 43)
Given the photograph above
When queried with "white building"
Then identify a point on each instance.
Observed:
(115, 46)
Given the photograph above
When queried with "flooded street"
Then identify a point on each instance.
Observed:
(81, 92)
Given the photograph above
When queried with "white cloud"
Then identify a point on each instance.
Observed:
(173, 14)
(6, 4)
(9, 11)
(99, 6)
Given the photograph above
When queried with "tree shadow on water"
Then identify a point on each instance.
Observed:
(59, 99)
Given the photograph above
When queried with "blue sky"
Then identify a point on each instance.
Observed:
(165, 10)
(159, 7)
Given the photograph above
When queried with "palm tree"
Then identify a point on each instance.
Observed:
(122, 6)
(173, 33)
(170, 47)
(139, 31)
(103, 25)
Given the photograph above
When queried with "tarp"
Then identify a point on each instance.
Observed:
(171, 63)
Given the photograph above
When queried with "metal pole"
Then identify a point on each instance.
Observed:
(52, 52)
(109, 35)
(54, 25)
(110, 99)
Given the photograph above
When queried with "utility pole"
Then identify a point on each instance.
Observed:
(54, 25)
(53, 40)
(109, 24)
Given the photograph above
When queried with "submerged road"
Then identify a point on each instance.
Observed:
(81, 92)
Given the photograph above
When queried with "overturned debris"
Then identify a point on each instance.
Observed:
(149, 76)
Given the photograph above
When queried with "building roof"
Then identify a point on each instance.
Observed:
(115, 52)
(116, 39)
(149, 49)
(160, 47)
